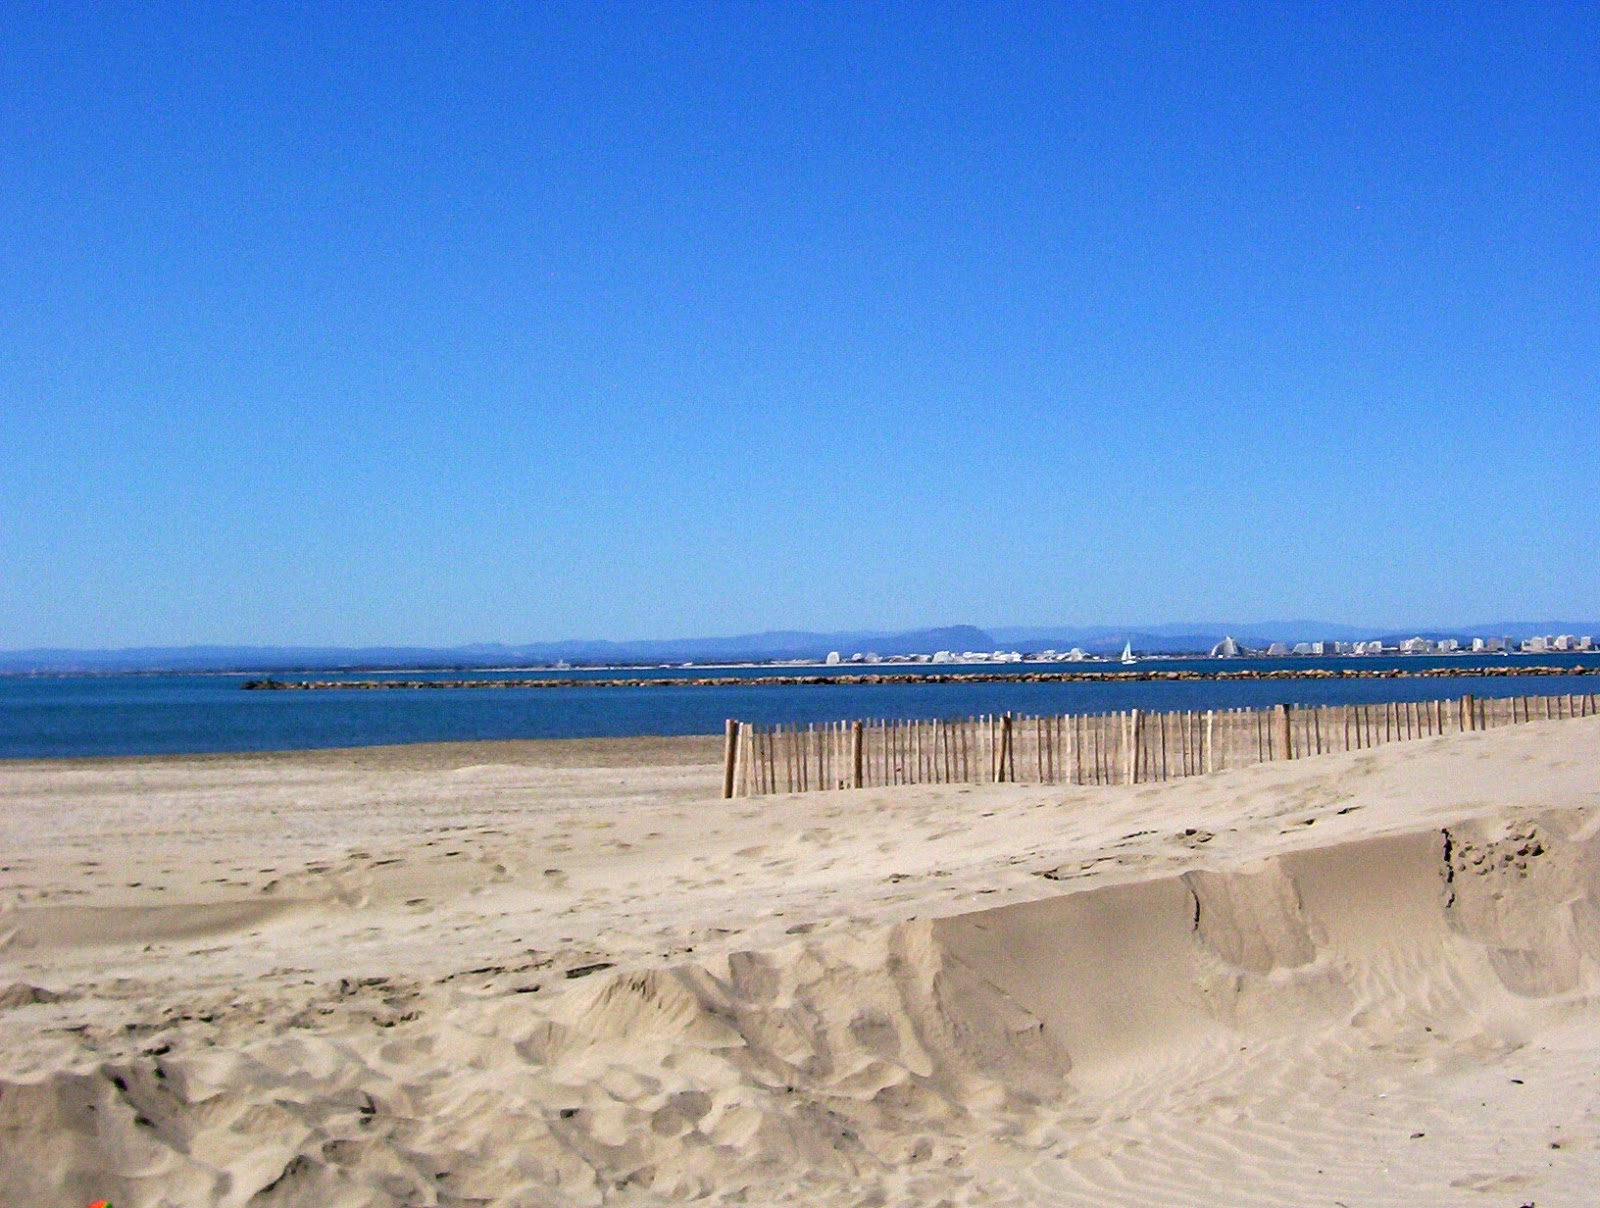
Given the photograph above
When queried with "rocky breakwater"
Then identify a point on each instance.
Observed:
(1151, 675)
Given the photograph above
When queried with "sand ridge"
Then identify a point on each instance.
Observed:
(483, 976)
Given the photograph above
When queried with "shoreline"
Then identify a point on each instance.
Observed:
(601, 751)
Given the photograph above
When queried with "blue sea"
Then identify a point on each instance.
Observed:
(83, 715)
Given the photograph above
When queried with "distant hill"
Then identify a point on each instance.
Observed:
(777, 644)
(757, 647)
(1178, 638)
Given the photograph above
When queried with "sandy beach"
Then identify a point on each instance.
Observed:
(566, 973)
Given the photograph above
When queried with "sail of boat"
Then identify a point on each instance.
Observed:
(1127, 653)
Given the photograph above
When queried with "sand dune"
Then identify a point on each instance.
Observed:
(513, 975)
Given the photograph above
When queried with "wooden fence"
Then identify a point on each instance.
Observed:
(1131, 747)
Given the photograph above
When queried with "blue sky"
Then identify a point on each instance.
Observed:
(446, 324)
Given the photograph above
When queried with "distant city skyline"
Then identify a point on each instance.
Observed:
(949, 644)
(390, 324)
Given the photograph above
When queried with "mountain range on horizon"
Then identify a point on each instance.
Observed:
(768, 646)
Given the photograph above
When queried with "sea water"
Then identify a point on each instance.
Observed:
(84, 715)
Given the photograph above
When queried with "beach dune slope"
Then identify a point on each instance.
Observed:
(1399, 1017)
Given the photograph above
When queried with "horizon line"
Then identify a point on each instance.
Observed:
(1487, 628)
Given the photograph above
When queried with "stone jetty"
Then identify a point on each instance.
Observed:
(1142, 676)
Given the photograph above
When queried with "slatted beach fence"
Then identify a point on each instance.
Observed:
(1131, 747)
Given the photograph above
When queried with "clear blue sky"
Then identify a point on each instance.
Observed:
(445, 324)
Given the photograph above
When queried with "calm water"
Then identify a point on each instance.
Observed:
(156, 714)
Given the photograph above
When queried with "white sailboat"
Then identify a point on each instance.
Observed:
(1127, 653)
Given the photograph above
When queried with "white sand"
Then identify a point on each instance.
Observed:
(371, 978)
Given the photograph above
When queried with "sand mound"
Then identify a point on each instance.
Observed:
(847, 1063)
(1398, 1017)
(21, 994)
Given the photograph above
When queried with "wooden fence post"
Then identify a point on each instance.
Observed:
(1133, 747)
(1005, 749)
(741, 759)
(855, 754)
(1011, 748)
(1281, 741)
(730, 755)
(1468, 722)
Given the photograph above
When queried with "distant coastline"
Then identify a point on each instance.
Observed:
(952, 644)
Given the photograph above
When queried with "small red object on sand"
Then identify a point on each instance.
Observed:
(101, 1204)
